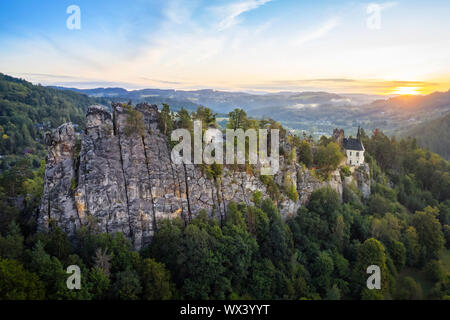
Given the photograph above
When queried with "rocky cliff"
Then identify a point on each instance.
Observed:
(113, 180)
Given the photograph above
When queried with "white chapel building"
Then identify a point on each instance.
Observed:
(354, 150)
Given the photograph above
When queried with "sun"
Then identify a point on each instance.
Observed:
(406, 90)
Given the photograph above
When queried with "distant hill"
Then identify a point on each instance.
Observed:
(412, 103)
(224, 101)
(99, 92)
(391, 115)
(152, 96)
(433, 135)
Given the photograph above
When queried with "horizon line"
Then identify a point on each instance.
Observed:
(85, 84)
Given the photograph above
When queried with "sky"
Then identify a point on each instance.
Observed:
(390, 47)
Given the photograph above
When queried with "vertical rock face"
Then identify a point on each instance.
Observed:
(100, 195)
(114, 180)
(57, 202)
(363, 179)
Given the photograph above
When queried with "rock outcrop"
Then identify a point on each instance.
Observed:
(113, 180)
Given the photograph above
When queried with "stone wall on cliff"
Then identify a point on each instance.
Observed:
(116, 181)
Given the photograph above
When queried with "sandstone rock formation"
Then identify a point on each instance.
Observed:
(116, 181)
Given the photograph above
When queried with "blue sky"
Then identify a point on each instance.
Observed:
(268, 45)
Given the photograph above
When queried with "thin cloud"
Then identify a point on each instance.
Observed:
(331, 80)
(47, 75)
(179, 12)
(364, 86)
(61, 49)
(161, 81)
(319, 32)
(385, 5)
(230, 13)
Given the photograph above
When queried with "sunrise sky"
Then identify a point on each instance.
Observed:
(248, 45)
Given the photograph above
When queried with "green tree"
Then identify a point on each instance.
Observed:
(50, 271)
(278, 243)
(321, 272)
(429, 232)
(305, 153)
(234, 216)
(446, 232)
(165, 120)
(262, 279)
(202, 263)
(333, 293)
(207, 117)
(99, 283)
(34, 187)
(411, 241)
(11, 247)
(290, 187)
(368, 294)
(167, 247)
(371, 252)
(397, 251)
(328, 157)
(441, 290)
(184, 120)
(127, 285)
(326, 203)
(257, 223)
(156, 284)
(135, 122)
(408, 289)
(58, 244)
(380, 204)
(16, 283)
(237, 120)
(434, 270)
(239, 248)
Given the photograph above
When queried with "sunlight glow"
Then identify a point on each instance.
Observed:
(407, 90)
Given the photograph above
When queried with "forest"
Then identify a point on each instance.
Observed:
(320, 253)
(27, 111)
(433, 135)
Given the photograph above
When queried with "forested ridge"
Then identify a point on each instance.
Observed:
(433, 135)
(320, 253)
(27, 111)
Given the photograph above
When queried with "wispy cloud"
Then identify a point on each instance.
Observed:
(178, 11)
(382, 6)
(341, 86)
(161, 81)
(230, 13)
(319, 32)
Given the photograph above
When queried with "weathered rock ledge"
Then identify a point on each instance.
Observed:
(117, 182)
